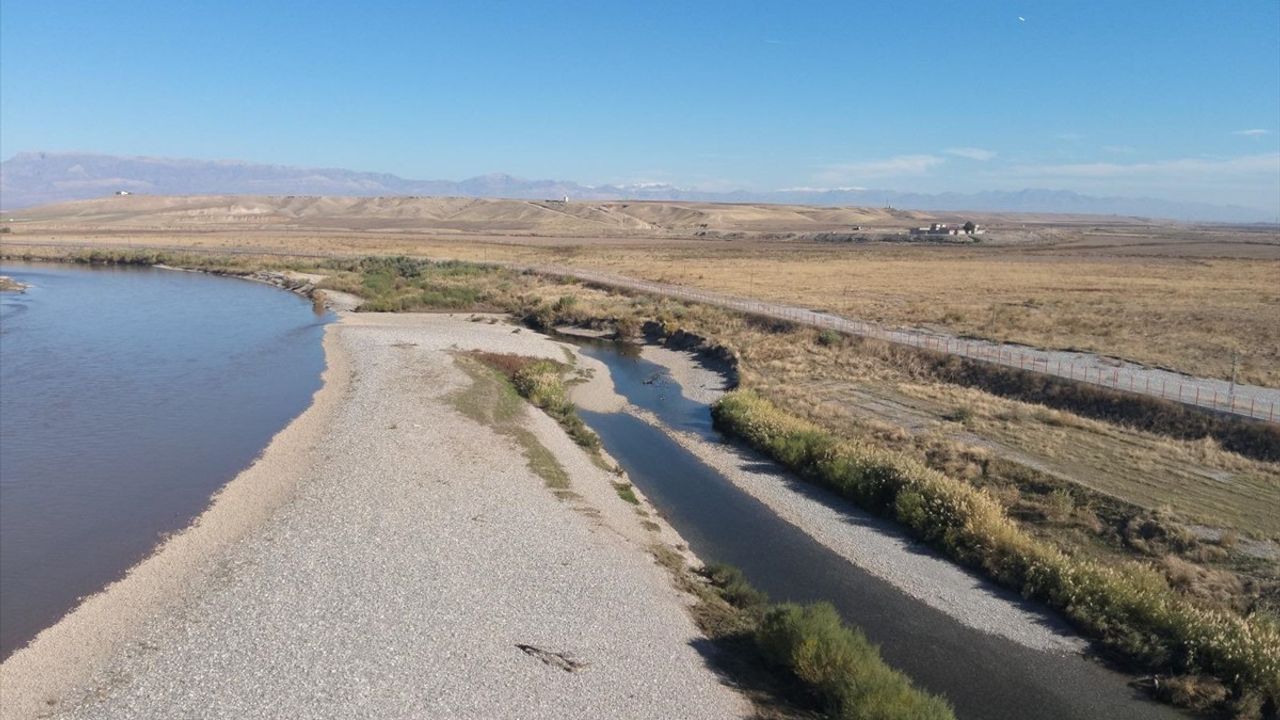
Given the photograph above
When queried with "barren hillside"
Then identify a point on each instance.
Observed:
(455, 214)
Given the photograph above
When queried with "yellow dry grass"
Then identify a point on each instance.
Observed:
(1150, 294)
(1188, 314)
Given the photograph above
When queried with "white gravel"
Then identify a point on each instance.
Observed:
(697, 382)
(415, 557)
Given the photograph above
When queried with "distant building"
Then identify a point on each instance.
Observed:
(943, 230)
(123, 192)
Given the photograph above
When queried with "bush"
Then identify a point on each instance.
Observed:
(735, 589)
(540, 383)
(828, 338)
(841, 667)
(627, 327)
(1060, 505)
(835, 665)
(1130, 609)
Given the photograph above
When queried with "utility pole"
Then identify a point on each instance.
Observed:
(1231, 394)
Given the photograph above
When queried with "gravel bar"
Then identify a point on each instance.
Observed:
(417, 569)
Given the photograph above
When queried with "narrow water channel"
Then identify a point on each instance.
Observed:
(983, 675)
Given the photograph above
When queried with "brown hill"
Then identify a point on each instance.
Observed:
(455, 214)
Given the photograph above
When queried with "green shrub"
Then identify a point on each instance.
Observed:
(735, 589)
(1129, 608)
(841, 667)
(840, 671)
(541, 383)
(828, 338)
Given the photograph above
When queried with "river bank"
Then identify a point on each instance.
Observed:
(389, 556)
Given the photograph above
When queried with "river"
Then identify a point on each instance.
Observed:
(130, 396)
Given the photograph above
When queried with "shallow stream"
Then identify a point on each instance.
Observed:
(983, 675)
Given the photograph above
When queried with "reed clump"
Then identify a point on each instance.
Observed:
(834, 665)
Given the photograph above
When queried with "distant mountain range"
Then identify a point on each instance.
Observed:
(37, 178)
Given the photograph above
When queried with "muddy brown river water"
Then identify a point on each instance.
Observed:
(128, 396)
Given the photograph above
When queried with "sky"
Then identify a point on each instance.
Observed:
(1170, 99)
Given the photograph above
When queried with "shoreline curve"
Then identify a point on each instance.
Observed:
(54, 669)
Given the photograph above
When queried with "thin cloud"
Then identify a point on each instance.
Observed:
(1120, 149)
(897, 166)
(1237, 167)
(1254, 132)
(971, 153)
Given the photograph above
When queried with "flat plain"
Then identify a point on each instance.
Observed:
(1200, 299)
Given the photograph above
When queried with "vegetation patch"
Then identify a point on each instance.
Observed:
(491, 400)
(793, 660)
(1128, 607)
(542, 383)
(626, 492)
(402, 284)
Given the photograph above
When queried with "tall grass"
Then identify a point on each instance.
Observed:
(1130, 608)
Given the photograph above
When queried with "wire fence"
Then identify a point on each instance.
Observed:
(1219, 395)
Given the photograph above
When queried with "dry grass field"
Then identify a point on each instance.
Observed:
(1187, 313)
(1185, 297)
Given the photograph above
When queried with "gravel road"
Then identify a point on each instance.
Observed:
(419, 569)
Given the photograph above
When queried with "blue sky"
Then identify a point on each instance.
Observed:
(1171, 99)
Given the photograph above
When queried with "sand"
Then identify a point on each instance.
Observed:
(389, 557)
